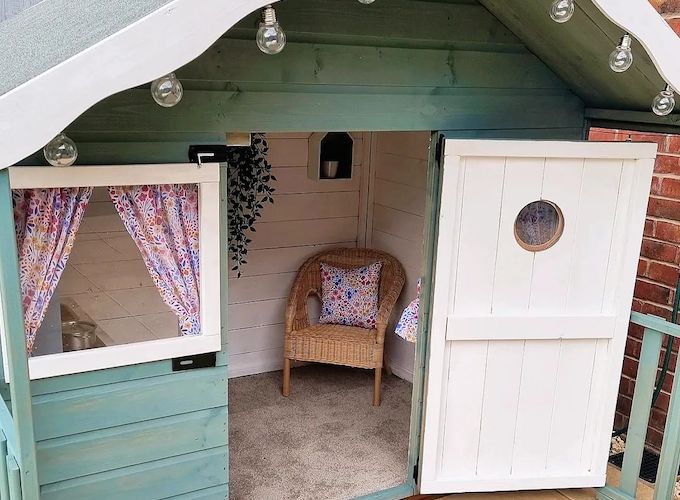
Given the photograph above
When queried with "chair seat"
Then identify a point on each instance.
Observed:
(335, 344)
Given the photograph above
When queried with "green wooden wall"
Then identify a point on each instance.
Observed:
(146, 432)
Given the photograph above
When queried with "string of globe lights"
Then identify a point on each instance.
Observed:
(167, 91)
(620, 59)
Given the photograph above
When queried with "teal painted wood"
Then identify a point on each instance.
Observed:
(655, 323)
(215, 493)
(410, 24)
(17, 364)
(7, 428)
(14, 480)
(224, 281)
(572, 134)
(403, 490)
(322, 107)
(639, 414)
(83, 410)
(324, 64)
(113, 448)
(150, 481)
(633, 120)
(669, 460)
(612, 493)
(429, 245)
(4, 478)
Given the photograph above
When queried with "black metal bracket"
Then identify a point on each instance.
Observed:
(206, 360)
(207, 153)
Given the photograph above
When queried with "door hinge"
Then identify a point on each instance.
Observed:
(207, 153)
(415, 470)
(440, 147)
(206, 360)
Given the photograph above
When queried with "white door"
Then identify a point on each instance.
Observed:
(530, 311)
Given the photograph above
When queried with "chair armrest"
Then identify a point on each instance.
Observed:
(385, 310)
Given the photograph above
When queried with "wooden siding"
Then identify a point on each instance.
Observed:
(306, 217)
(400, 163)
(434, 66)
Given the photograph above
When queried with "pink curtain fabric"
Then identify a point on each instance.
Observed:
(163, 221)
(46, 222)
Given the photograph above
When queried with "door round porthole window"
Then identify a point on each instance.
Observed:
(539, 225)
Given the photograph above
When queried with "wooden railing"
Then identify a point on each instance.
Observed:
(10, 472)
(655, 329)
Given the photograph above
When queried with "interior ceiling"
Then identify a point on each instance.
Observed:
(578, 52)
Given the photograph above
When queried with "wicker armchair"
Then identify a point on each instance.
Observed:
(339, 344)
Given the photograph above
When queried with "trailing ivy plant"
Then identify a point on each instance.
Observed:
(248, 185)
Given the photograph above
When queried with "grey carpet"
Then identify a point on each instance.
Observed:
(325, 441)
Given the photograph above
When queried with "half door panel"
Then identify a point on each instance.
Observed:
(536, 260)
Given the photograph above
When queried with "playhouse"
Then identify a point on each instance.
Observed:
(442, 140)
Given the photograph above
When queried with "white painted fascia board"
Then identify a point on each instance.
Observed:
(641, 20)
(157, 44)
(168, 38)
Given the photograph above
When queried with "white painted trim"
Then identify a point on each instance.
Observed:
(640, 19)
(112, 175)
(33, 113)
(530, 328)
(207, 177)
(552, 149)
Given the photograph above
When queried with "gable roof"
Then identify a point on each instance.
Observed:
(66, 55)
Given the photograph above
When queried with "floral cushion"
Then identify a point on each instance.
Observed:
(407, 327)
(350, 296)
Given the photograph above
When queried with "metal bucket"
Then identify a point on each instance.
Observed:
(78, 335)
(329, 169)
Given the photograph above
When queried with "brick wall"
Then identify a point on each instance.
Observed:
(657, 269)
(670, 10)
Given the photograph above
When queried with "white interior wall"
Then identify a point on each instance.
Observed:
(382, 207)
(306, 217)
(396, 221)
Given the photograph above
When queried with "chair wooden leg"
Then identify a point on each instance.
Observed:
(286, 377)
(376, 387)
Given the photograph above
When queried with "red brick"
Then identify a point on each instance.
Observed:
(655, 188)
(663, 400)
(666, 231)
(649, 227)
(635, 331)
(633, 347)
(654, 438)
(674, 142)
(669, 187)
(658, 250)
(630, 367)
(656, 310)
(659, 139)
(663, 273)
(601, 134)
(642, 267)
(657, 419)
(666, 164)
(652, 292)
(623, 405)
(665, 209)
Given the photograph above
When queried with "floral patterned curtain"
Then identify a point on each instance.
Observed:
(46, 222)
(163, 221)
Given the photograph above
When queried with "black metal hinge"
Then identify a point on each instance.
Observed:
(415, 470)
(207, 360)
(207, 153)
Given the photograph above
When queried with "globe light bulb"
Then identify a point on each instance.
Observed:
(562, 10)
(621, 57)
(270, 37)
(664, 102)
(167, 90)
(61, 151)
(366, 2)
